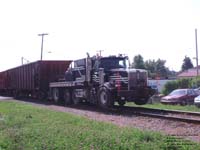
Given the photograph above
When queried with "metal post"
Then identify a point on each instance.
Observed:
(22, 60)
(196, 52)
(43, 34)
(100, 52)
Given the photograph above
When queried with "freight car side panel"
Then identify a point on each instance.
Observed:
(33, 77)
(51, 71)
(1, 80)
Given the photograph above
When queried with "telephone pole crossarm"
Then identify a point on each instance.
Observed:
(42, 35)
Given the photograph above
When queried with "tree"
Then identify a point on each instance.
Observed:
(138, 62)
(160, 68)
(150, 66)
(187, 64)
(157, 68)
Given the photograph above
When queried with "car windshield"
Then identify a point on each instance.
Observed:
(112, 63)
(178, 92)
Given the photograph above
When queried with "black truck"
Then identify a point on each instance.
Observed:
(102, 81)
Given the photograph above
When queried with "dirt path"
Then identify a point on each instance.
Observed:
(179, 129)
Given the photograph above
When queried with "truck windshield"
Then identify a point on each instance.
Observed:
(113, 63)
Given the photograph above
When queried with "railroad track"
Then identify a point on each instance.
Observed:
(175, 115)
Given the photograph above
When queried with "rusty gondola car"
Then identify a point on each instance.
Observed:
(3, 82)
(32, 80)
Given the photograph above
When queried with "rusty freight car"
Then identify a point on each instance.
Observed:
(32, 80)
(3, 83)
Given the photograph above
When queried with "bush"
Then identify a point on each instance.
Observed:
(195, 83)
(184, 83)
(178, 84)
(169, 86)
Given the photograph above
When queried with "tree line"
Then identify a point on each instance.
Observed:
(157, 69)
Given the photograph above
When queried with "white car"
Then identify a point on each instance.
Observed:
(197, 101)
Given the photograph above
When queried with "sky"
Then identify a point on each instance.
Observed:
(155, 29)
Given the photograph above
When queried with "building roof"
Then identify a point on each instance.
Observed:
(189, 73)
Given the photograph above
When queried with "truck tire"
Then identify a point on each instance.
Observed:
(41, 95)
(121, 103)
(105, 98)
(56, 95)
(141, 101)
(75, 99)
(67, 97)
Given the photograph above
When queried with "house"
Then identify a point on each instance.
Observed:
(190, 73)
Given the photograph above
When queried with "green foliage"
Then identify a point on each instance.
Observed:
(160, 68)
(169, 86)
(155, 68)
(138, 62)
(195, 82)
(25, 127)
(178, 84)
(184, 83)
(187, 64)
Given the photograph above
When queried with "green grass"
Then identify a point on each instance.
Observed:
(27, 127)
(171, 107)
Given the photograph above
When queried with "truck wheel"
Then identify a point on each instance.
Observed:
(141, 101)
(56, 95)
(41, 95)
(121, 103)
(75, 99)
(105, 98)
(67, 97)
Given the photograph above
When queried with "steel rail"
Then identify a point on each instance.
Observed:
(187, 120)
(188, 117)
(163, 110)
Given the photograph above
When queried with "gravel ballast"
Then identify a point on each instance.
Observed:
(174, 128)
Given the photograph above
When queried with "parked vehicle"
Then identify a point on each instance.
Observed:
(180, 96)
(197, 101)
(197, 90)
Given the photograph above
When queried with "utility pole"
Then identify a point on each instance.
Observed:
(100, 52)
(196, 52)
(22, 59)
(43, 34)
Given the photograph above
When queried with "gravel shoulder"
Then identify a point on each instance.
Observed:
(173, 128)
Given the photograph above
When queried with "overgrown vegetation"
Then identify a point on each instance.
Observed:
(181, 83)
(25, 127)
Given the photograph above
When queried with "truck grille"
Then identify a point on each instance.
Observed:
(132, 80)
(120, 79)
(136, 79)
